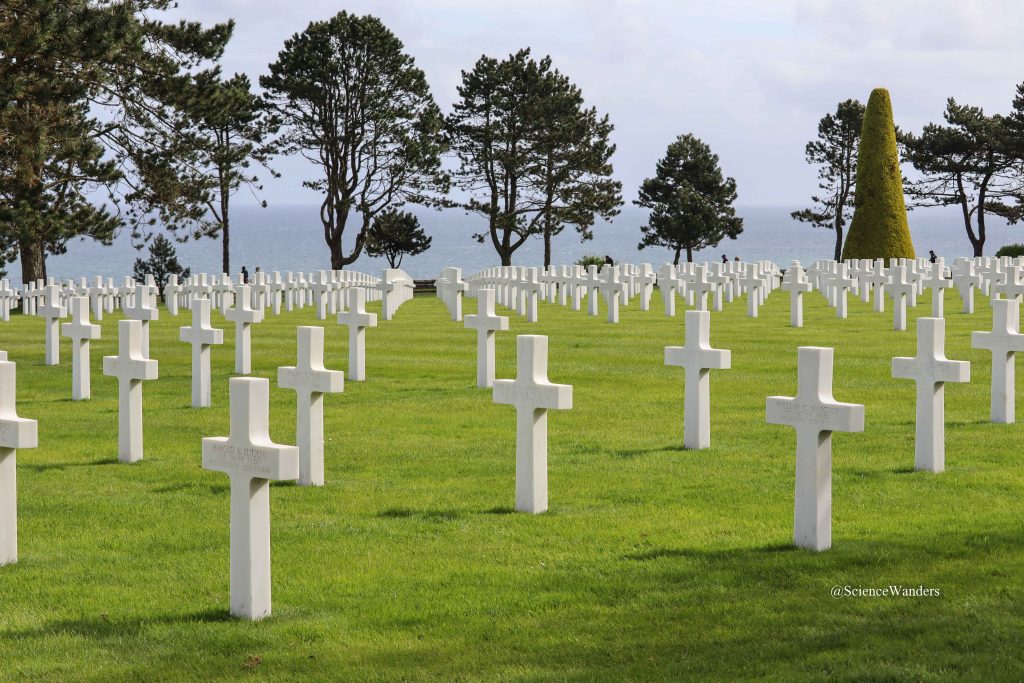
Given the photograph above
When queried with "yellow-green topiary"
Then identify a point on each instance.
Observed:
(879, 227)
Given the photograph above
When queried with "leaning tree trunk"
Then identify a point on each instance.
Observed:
(33, 261)
(839, 244)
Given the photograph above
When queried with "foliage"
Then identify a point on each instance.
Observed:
(394, 234)
(590, 260)
(835, 153)
(1011, 250)
(356, 106)
(967, 163)
(879, 227)
(89, 91)
(532, 158)
(161, 264)
(231, 127)
(690, 200)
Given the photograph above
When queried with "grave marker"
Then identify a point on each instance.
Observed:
(15, 432)
(532, 395)
(80, 331)
(931, 370)
(201, 336)
(251, 460)
(815, 415)
(130, 368)
(310, 381)
(698, 358)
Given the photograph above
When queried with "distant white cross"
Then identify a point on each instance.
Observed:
(796, 284)
(141, 309)
(52, 312)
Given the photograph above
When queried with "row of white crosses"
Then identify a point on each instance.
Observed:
(522, 288)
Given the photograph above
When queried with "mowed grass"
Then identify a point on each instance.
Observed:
(653, 563)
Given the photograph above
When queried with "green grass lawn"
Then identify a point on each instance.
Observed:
(654, 563)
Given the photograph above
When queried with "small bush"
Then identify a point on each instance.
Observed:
(1011, 250)
(590, 260)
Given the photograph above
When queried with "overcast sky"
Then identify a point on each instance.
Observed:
(750, 78)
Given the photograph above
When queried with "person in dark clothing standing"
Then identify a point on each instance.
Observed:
(245, 276)
(725, 259)
(932, 256)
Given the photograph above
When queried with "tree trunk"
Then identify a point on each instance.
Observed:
(689, 254)
(33, 261)
(547, 248)
(225, 224)
(676, 261)
(839, 244)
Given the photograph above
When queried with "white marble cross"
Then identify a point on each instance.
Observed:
(879, 280)
(80, 331)
(532, 395)
(310, 381)
(698, 358)
(141, 309)
(937, 282)
(201, 336)
(752, 283)
(130, 368)
(244, 316)
(611, 289)
(931, 370)
(841, 283)
(700, 286)
(357, 319)
(15, 432)
(815, 415)
(796, 284)
(486, 323)
(52, 312)
(965, 280)
(902, 292)
(251, 460)
(1003, 341)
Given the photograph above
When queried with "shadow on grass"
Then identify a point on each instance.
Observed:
(629, 453)
(439, 515)
(44, 466)
(194, 487)
(694, 553)
(885, 472)
(107, 626)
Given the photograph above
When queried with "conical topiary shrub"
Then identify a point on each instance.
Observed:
(879, 227)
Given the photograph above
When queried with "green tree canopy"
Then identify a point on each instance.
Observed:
(970, 163)
(161, 264)
(394, 234)
(231, 128)
(835, 153)
(87, 93)
(879, 227)
(532, 157)
(691, 202)
(353, 103)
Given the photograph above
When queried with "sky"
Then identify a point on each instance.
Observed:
(750, 78)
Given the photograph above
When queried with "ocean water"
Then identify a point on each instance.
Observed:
(289, 237)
